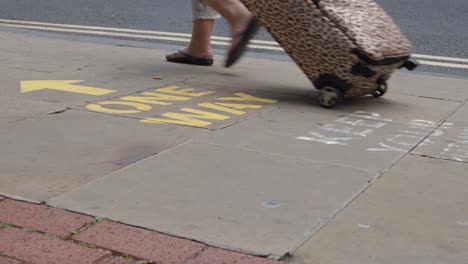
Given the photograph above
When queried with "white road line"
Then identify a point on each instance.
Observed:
(443, 64)
(430, 57)
(185, 38)
(174, 34)
(95, 32)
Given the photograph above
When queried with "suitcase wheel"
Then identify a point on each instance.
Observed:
(329, 96)
(381, 90)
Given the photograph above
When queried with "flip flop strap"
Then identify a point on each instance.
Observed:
(184, 53)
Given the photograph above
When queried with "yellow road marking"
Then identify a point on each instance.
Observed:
(191, 119)
(98, 107)
(62, 85)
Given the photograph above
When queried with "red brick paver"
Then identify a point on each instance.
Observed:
(5, 260)
(219, 256)
(39, 249)
(40, 217)
(112, 260)
(140, 243)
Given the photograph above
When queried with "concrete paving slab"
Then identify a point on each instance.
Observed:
(416, 213)
(449, 141)
(460, 116)
(190, 104)
(14, 109)
(249, 201)
(47, 155)
(424, 85)
(351, 140)
(396, 108)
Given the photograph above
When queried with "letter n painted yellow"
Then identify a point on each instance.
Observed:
(191, 119)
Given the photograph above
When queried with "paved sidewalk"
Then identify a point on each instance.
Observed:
(109, 151)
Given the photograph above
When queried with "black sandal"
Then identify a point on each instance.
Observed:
(246, 36)
(189, 59)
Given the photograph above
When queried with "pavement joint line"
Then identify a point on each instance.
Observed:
(21, 199)
(36, 116)
(259, 112)
(436, 98)
(24, 69)
(57, 112)
(437, 158)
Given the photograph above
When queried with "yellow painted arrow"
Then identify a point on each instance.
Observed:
(62, 85)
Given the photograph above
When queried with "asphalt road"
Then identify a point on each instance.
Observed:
(435, 27)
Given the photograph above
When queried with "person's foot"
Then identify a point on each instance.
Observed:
(242, 33)
(188, 57)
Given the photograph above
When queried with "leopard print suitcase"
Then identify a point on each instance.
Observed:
(347, 48)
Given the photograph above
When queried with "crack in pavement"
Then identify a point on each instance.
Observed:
(24, 69)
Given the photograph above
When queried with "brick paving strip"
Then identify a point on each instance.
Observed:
(34, 233)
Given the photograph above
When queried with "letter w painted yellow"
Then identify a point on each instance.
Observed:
(191, 119)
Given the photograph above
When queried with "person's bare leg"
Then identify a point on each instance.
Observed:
(243, 26)
(234, 12)
(200, 42)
